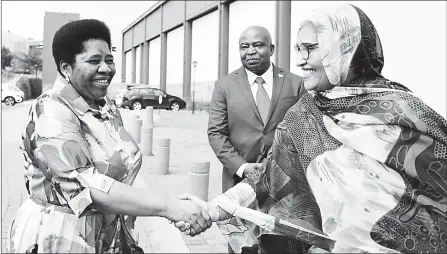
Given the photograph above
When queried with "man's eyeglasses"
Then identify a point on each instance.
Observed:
(305, 49)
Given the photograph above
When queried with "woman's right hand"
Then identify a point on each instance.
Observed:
(191, 215)
(216, 213)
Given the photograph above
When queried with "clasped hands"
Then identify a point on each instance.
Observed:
(194, 216)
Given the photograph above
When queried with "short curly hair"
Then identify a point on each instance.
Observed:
(70, 38)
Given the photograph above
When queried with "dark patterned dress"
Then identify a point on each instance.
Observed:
(365, 162)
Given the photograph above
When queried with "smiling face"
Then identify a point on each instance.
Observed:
(92, 70)
(255, 49)
(314, 76)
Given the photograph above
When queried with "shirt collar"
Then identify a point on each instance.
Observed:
(266, 76)
(69, 94)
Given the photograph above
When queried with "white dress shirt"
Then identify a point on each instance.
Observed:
(268, 79)
(268, 86)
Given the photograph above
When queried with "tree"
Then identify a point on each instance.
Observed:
(32, 59)
(6, 57)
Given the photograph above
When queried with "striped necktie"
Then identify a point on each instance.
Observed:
(262, 99)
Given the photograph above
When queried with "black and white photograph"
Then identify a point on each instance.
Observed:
(228, 126)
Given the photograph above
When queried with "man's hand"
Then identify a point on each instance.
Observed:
(251, 167)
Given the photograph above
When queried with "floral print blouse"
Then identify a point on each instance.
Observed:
(70, 148)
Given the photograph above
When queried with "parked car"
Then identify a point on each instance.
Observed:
(139, 97)
(11, 94)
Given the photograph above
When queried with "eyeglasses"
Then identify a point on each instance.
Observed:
(305, 49)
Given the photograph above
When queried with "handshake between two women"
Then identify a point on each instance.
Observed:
(194, 215)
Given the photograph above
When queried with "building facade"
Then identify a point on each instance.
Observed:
(52, 22)
(160, 47)
(20, 46)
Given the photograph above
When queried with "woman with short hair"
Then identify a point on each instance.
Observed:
(80, 162)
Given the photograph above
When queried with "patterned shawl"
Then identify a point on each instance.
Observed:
(365, 162)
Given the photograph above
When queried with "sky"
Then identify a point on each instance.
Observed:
(26, 18)
(413, 37)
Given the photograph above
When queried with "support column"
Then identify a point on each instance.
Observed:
(187, 59)
(123, 60)
(141, 63)
(163, 60)
(283, 21)
(224, 32)
(134, 64)
(145, 63)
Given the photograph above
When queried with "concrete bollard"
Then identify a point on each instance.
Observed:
(199, 180)
(146, 140)
(161, 153)
(135, 129)
(148, 116)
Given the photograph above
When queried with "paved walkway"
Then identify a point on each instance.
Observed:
(189, 145)
(12, 185)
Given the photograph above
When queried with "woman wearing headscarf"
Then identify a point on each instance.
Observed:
(359, 157)
(80, 162)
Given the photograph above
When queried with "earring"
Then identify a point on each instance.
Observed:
(67, 78)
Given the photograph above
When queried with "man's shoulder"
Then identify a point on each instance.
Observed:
(229, 78)
(287, 73)
(290, 77)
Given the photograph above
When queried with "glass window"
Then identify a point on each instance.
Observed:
(145, 91)
(154, 62)
(174, 64)
(138, 65)
(159, 92)
(206, 53)
(129, 64)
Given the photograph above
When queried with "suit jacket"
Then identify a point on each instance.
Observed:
(236, 132)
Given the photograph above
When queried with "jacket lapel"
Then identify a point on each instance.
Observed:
(241, 78)
(278, 82)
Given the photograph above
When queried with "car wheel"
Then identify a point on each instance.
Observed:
(136, 105)
(175, 106)
(9, 101)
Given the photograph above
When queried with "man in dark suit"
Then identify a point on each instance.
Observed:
(247, 105)
(244, 114)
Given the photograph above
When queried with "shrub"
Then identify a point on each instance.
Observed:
(31, 87)
(36, 87)
(23, 84)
